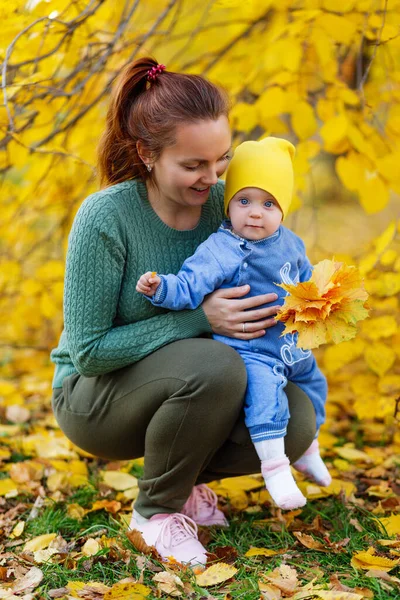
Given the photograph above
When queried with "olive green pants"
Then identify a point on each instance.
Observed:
(182, 409)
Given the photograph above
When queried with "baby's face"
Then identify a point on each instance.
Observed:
(254, 213)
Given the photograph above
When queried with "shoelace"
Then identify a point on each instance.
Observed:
(177, 529)
(204, 498)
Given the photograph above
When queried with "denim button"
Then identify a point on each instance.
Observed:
(245, 265)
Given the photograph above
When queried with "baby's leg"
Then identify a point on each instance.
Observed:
(313, 383)
(267, 415)
(278, 477)
(312, 465)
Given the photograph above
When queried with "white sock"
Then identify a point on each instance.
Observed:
(278, 477)
(269, 449)
(280, 483)
(312, 465)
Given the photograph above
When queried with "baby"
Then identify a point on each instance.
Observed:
(253, 247)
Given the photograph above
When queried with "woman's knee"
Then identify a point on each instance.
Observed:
(221, 369)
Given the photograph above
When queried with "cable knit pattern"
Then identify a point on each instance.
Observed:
(116, 236)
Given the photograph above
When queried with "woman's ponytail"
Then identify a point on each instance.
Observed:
(118, 159)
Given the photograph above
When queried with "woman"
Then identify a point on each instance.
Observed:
(135, 380)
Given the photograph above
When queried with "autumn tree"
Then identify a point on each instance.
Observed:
(322, 73)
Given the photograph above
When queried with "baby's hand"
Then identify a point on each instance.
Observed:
(148, 283)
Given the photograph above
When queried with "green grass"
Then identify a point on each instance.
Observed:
(335, 518)
(55, 519)
(84, 496)
(110, 567)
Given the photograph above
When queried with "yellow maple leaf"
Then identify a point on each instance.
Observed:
(325, 308)
(391, 524)
(368, 559)
(215, 574)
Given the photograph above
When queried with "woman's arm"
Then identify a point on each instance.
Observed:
(94, 274)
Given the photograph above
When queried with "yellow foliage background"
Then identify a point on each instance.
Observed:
(322, 73)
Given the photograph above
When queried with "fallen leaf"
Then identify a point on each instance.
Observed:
(263, 552)
(356, 524)
(58, 481)
(333, 595)
(366, 560)
(168, 583)
(382, 575)
(9, 430)
(284, 578)
(111, 506)
(383, 490)
(127, 591)
(77, 589)
(7, 486)
(352, 454)
(40, 542)
(44, 556)
(30, 580)
(269, 591)
(215, 574)
(340, 587)
(17, 413)
(391, 524)
(309, 542)
(91, 547)
(226, 554)
(138, 542)
(76, 511)
(18, 529)
(391, 543)
(117, 480)
(28, 470)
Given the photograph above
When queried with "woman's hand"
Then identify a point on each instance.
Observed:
(229, 316)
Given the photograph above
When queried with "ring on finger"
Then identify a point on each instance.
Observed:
(244, 327)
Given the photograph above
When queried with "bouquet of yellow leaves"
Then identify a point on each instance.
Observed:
(327, 307)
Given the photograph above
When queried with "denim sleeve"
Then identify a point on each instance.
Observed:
(200, 275)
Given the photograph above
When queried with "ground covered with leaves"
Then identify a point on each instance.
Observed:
(63, 517)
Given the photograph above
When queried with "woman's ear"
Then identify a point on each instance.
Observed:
(144, 154)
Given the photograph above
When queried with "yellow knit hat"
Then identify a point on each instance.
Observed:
(267, 165)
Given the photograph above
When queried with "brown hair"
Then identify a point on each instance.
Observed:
(150, 112)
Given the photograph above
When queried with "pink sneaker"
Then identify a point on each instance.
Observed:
(173, 535)
(201, 506)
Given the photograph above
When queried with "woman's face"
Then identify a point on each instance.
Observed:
(184, 172)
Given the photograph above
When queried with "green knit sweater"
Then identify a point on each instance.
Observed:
(116, 237)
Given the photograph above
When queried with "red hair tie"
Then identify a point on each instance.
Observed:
(154, 72)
